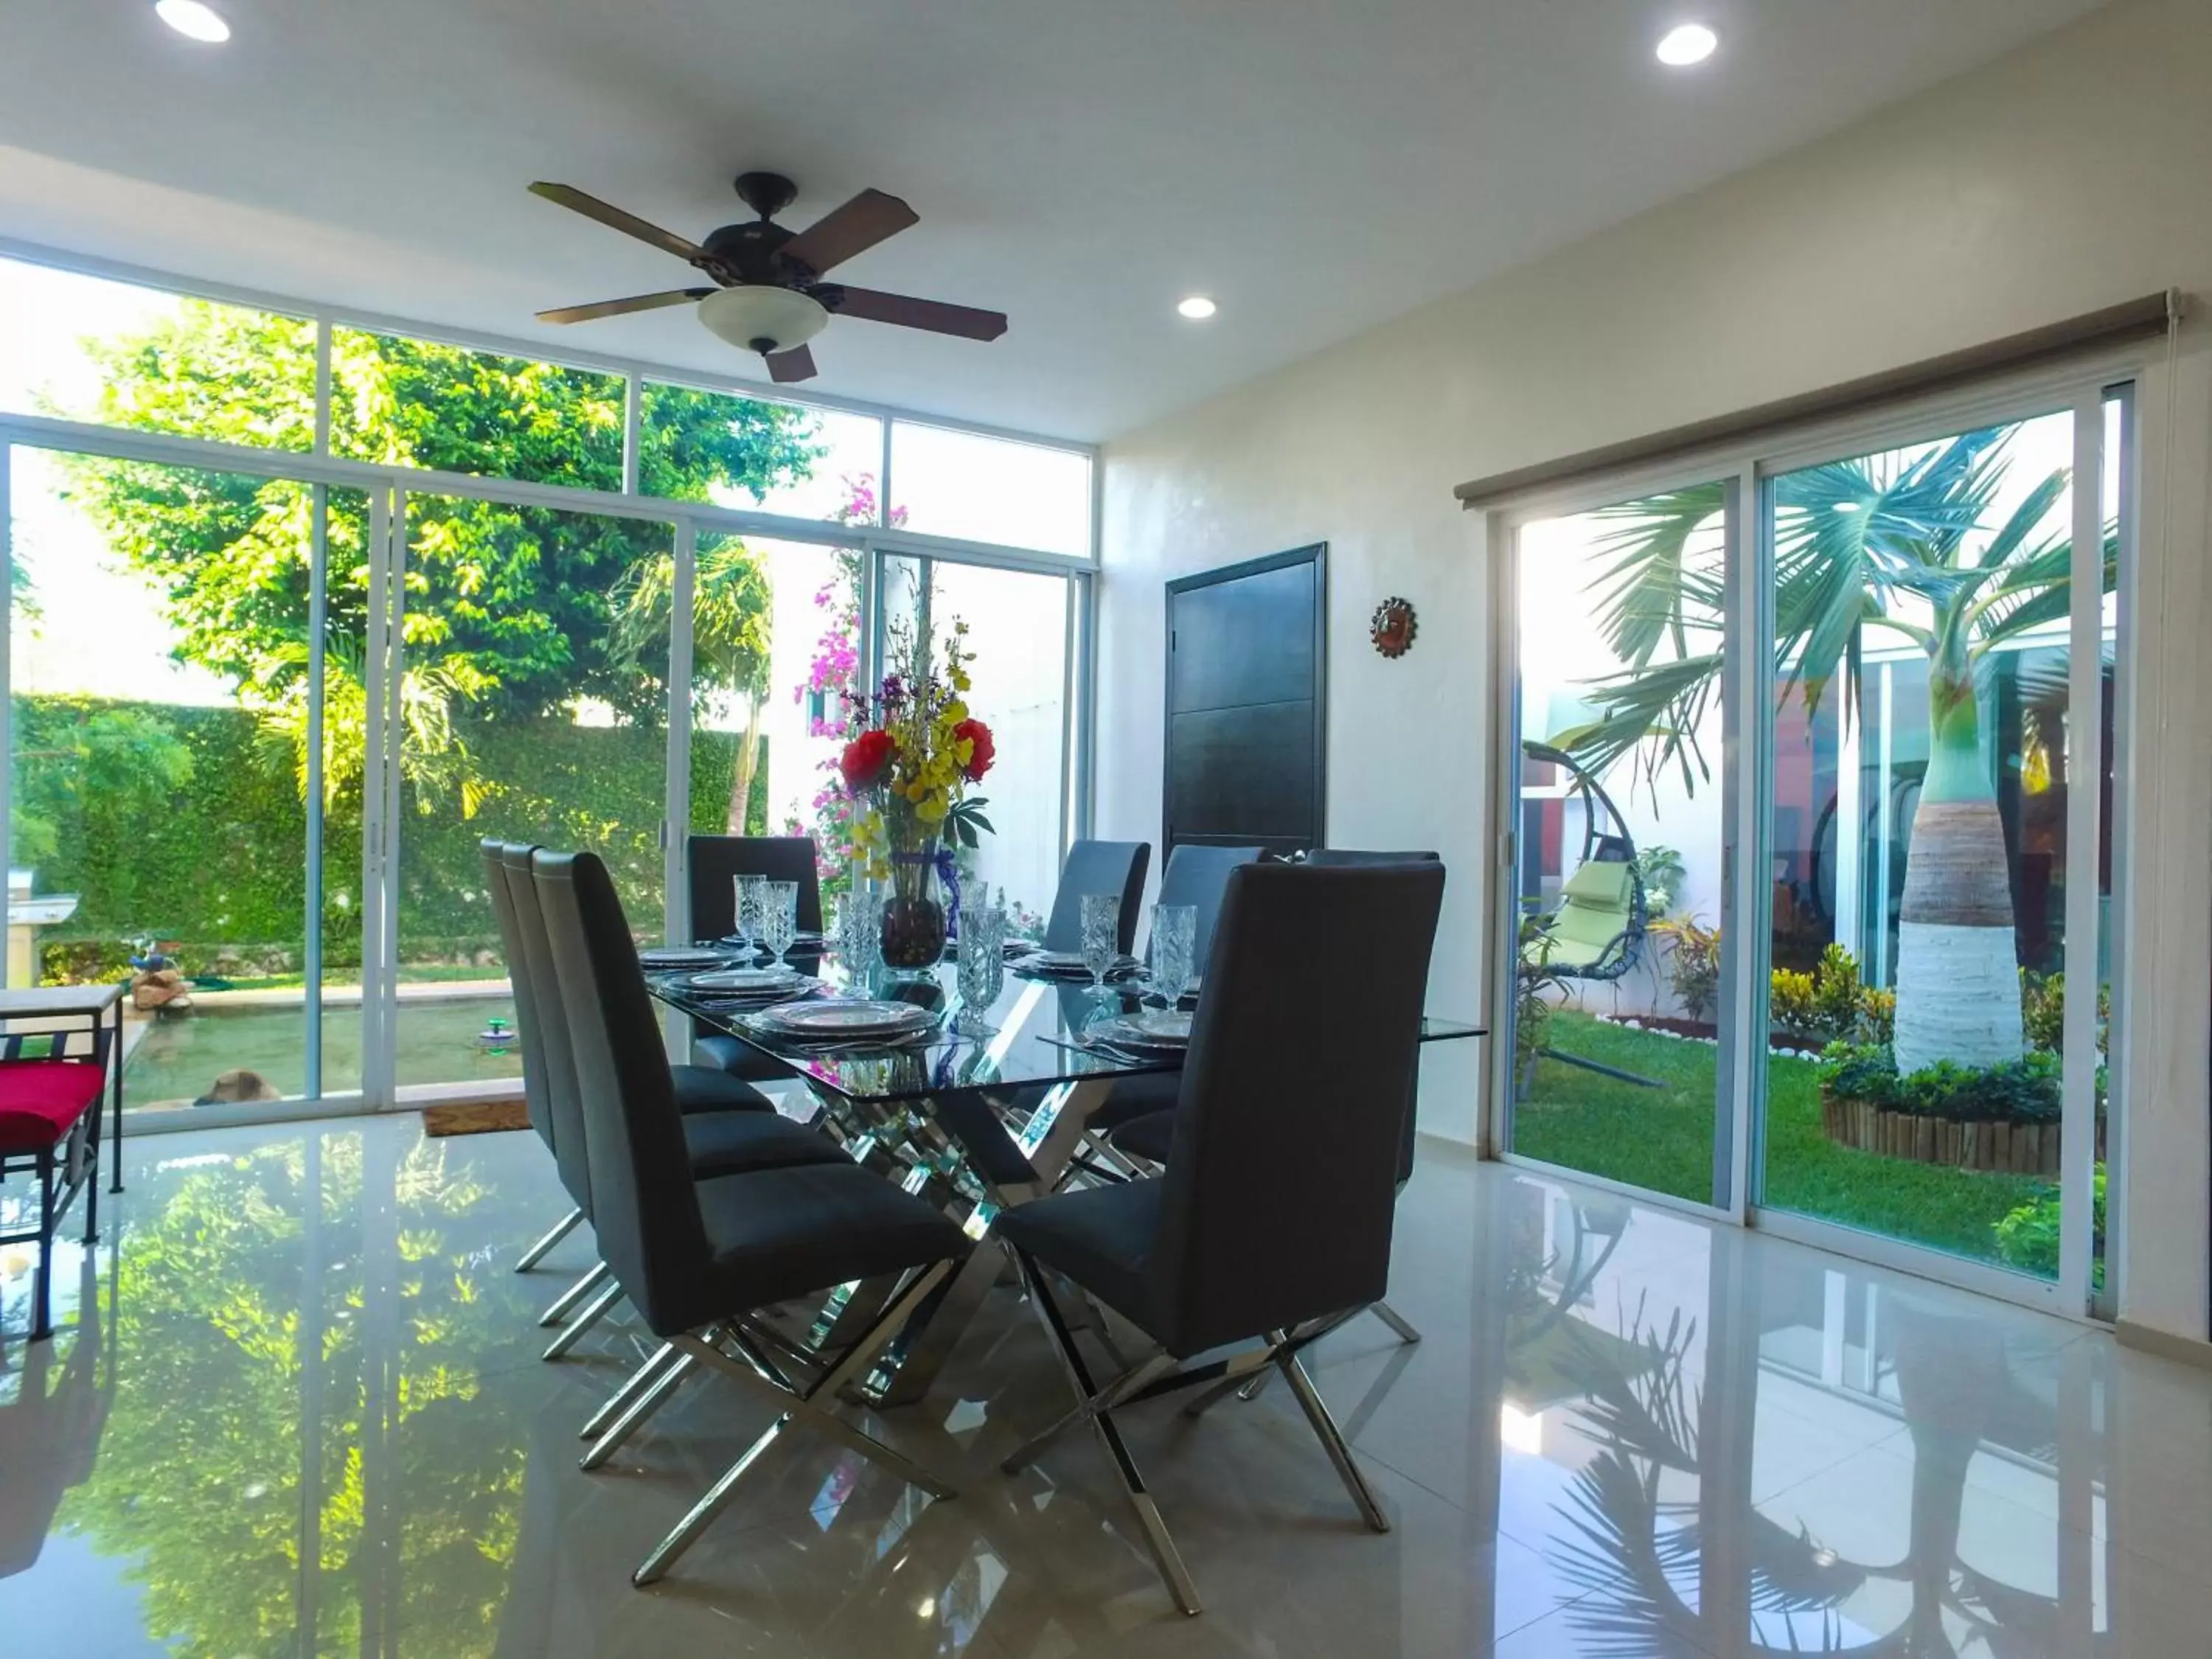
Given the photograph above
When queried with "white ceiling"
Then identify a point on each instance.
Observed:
(1317, 166)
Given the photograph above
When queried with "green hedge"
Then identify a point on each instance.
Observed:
(187, 823)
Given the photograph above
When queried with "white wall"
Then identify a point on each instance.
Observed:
(2071, 175)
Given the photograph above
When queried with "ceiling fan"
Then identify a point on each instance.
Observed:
(769, 295)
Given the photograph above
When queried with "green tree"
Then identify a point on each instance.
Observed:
(510, 609)
(730, 638)
(1904, 543)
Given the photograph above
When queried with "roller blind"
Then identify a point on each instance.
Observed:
(2138, 320)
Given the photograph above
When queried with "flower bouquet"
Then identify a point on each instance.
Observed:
(914, 752)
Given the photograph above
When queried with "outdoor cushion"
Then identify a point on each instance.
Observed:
(40, 1100)
(1601, 882)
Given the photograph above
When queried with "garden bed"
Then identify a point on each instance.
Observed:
(1704, 1030)
(2028, 1149)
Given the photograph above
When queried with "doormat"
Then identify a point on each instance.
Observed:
(475, 1117)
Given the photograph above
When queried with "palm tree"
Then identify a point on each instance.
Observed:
(731, 626)
(1897, 542)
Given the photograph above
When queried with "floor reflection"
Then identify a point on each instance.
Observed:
(295, 1409)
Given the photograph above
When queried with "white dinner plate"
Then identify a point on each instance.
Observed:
(744, 980)
(1155, 1028)
(846, 1020)
(679, 956)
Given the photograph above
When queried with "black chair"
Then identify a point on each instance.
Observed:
(711, 864)
(1196, 876)
(1098, 866)
(1273, 1219)
(1149, 1138)
(699, 1260)
(727, 1126)
(525, 986)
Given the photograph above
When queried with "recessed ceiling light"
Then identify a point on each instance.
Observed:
(1197, 308)
(193, 18)
(1687, 44)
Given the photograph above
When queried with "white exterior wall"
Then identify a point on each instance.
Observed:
(2069, 176)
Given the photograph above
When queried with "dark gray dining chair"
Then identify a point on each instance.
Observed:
(1144, 1138)
(1196, 876)
(1098, 866)
(699, 1260)
(1272, 1223)
(529, 1029)
(727, 1126)
(711, 862)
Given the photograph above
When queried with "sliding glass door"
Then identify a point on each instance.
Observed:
(185, 766)
(1617, 1014)
(1939, 833)
(1811, 776)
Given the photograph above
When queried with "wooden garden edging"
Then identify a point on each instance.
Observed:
(2001, 1148)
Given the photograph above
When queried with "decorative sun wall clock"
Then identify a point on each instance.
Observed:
(1394, 627)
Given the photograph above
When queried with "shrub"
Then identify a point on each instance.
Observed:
(1661, 870)
(1830, 1003)
(2027, 1238)
(2024, 1090)
(1793, 1002)
(2043, 1009)
(1693, 963)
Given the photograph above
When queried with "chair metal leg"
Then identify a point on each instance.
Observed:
(584, 1321)
(633, 1417)
(42, 1326)
(810, 1408)
(536, 1253)
(640, 1380)
(1105, 1399)
(1332, 1439)
(1396, 1320)
(576, 1293)
(1164, 1554)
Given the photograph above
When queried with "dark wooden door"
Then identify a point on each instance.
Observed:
(1247, 702)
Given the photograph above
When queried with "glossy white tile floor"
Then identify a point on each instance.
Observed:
(298, 1410)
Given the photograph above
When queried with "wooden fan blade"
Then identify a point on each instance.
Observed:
(867, 219)
(908, 312)
(796, 364)
(674, 296)
(609, 215)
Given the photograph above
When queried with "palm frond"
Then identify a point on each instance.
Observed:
(1651, 588)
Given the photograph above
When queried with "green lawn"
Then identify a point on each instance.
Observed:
(1662, 1138)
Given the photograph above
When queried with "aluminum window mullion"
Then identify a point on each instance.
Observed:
(675, 826)
(166, 449)
(2085, 740)
(1501, 922)
(1746, 771)
(376, 1066)
(318, 623)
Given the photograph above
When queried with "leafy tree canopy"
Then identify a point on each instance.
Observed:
(510, 609)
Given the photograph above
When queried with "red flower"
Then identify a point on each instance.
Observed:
(867, 759)
(985, 751)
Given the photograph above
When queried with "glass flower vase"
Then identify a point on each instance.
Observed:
(913, 914)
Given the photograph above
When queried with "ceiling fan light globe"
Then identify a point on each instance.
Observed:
(756, 317)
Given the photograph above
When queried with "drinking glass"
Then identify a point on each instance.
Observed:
(779, 916)
(748, 912)
(860, 932)
(983, 965)
(1174, 936)
(1101, 928)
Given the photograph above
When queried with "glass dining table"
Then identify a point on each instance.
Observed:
(984, 1109)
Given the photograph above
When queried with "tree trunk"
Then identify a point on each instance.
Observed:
(1958, 972)
(741, 775)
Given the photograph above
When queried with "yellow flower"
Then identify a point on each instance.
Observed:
(931, 811)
